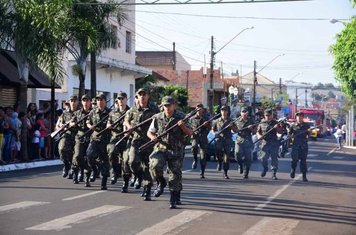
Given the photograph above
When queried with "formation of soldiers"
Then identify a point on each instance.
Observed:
(142, 142)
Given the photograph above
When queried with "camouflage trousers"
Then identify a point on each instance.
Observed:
(80, 148)
(158, 161)
(97, 151)
(269, 150)
(222, 151)
(299, 152)
(243, 151)
(137, 163)
(116, 155)
(65, 149)
(196, 143)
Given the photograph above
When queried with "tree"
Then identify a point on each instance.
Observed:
(344, 51)
(90, 31)
(33, 29)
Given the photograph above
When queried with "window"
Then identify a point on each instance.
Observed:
(114, 33)
(128, 42)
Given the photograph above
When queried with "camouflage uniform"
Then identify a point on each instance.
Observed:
(299, 148)
(168, 150)
(269, 146)
(81, 144)
(199, 139)
(135, 162)
(223, 143)
(244, 145)
(115, 153)
(97, 146)
(67, 141)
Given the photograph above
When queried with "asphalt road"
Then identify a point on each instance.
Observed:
(40, 201)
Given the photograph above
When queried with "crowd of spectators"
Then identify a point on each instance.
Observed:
(25, 136)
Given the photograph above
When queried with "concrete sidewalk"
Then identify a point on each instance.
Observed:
(35, 164)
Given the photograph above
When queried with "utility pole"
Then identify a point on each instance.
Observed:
(306, 98)
(187, 85)
(296, 100)
(92, 75)
(280, 85)
(211, 93)
(174, 57)
(254, 87)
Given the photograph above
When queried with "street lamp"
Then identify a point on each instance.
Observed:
(334, 21)
(270, 62)
(212, 59)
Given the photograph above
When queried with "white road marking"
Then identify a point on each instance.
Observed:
(65, 222)
(338, 157)
(313, 155)
(278, 226)
(21, 205)
(278, 192)
(168, 225)
(187, 171)
(82, 195)
(333, 150)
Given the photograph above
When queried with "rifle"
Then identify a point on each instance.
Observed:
(216, 116)
(258, 140)
(56, 132)
(132, 129)
(301, 133)
(113, 125)
(221, 131)
(79, 121)
(149, 143)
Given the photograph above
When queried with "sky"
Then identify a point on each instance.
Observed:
(277, 31)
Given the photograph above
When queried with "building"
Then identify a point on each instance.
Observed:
(116, 69)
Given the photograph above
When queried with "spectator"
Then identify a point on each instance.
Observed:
(16, 144)
(47, 123)
(2, 127)
(35, 146)
(26, 128)
(343, 128)
(9, 135)
(43, 133)
(338, 136)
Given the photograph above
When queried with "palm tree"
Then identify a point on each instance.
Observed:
(90, 31)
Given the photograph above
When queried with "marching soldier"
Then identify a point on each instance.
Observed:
(299, 131)
(97, 146)
(66, 144)
(244, 144)
(169, 149)
(115, 153)
(81, 145)
(267, 132)
(199, 138)
(224, 139)
(136, 162)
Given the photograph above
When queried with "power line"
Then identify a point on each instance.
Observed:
(241, 17)
(187, 2)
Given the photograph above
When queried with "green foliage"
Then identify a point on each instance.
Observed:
(267, 103)
(344, 51)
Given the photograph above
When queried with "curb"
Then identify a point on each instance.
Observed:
(29, 165)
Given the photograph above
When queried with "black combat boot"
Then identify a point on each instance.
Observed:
(75, 176)
(160, 187)
(104, 181)
(138, 182)
(81, 175)
(87, 179)
(178, 201)
(225, 175)
(247, 170)
(66, 169)
(202, 172)
(292, 173)
(218, 168)
(147, 194)
(305, 177)
(133, 180)
(241, 167)
(94, 174)
(173, 201)
(274, 177)
(125, 186)
(195, 162)
(263, 173)
(114, 178)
